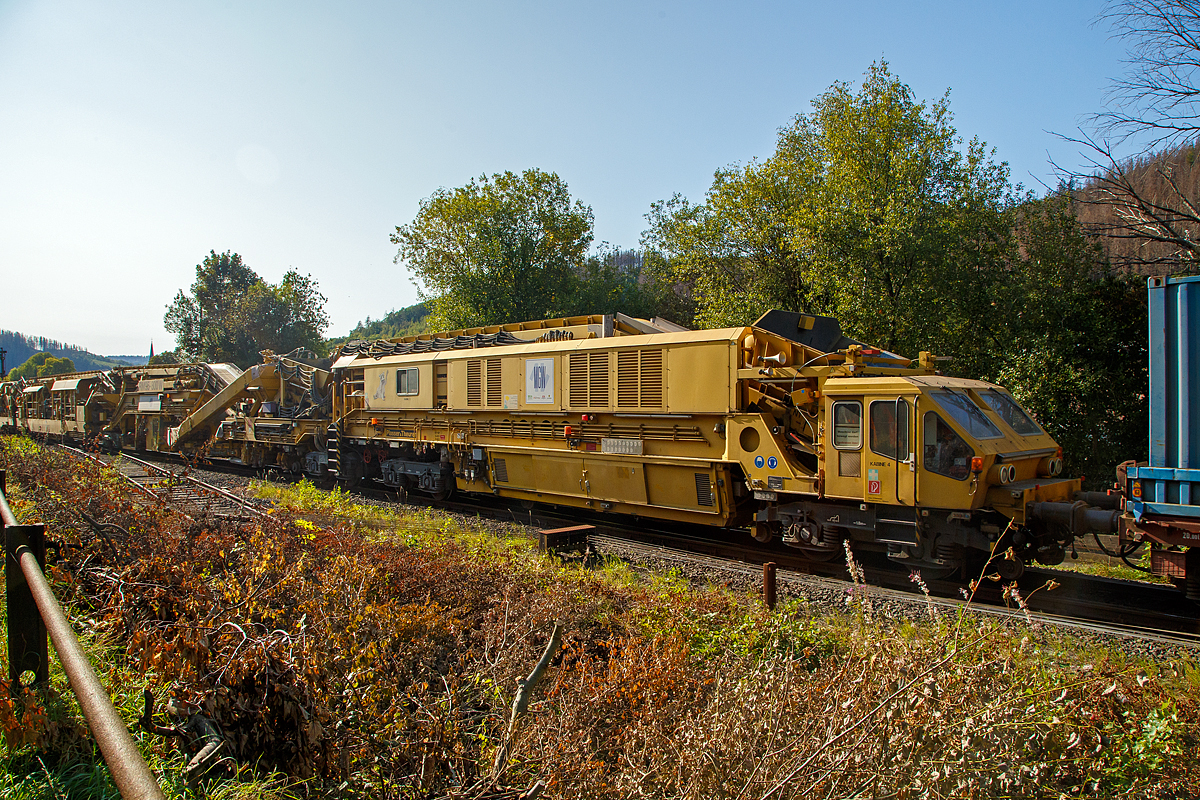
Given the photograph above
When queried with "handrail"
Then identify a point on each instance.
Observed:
(24, 545)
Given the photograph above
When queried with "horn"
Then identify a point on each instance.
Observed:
(778, 358)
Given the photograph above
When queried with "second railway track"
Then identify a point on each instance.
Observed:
(185, 493)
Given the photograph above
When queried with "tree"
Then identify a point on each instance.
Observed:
(1142, 199)
(868, 210)
(1157, 99)
(1072, 351)
(232, 314)
(503, 248)
(42, 365)
(165, 357)
(734, 253)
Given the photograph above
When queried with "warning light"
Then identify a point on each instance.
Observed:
(977, 464)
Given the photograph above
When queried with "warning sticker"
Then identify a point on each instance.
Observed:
(874, 486)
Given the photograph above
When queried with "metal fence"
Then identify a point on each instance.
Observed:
(34, 612)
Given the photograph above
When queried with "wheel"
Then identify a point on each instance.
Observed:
(1009, 569)
(762, 532)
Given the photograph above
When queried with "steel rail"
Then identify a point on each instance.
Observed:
(129, 770)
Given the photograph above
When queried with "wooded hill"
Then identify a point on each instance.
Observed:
(20, 347)
(1167, 182)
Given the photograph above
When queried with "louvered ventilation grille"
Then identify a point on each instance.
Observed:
(850, 464)
(704, 493)
(493, 382)
(501, 469)
(474, 384)
(627, 379)
(578, 370)
(639, 379)
(598, 380)
(652, 379)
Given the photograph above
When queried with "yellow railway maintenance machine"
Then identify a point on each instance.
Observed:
(786, 427)
(275, 414)
(136, 406)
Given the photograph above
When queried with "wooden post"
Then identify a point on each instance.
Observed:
(769, 584)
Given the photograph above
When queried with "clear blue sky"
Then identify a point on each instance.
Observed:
(137, 137)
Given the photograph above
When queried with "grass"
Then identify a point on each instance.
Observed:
(1117, 569)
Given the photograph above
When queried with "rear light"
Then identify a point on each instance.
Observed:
(977, 464)
(1050, 467)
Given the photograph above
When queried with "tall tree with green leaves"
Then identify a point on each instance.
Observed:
(868, 203)
(503, 248)
(42, 365)
(231, 314)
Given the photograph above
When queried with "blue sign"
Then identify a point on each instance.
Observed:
(772, 462)
(758, 461)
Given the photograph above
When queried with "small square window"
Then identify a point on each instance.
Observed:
(406, 381)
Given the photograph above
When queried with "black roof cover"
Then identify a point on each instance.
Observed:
(820, 333)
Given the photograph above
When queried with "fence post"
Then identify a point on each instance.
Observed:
(769, 584)
(26, 630)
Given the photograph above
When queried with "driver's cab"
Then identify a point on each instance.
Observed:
(928, 441)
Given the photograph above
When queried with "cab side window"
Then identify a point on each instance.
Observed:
(889, 428)
(945, 451)
(407, 381)
(847, 437)
(847, 425)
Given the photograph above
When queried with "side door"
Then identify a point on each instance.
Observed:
(890, 473)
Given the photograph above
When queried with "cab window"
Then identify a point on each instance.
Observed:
(945, 451)
(847, 425)
(889, 428)
(1013, 415)
(962, 409)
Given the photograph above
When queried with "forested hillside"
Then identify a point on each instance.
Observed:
(406, 321)
(1135, 206)
(20, 347)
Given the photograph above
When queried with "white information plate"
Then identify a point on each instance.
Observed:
(539, 380)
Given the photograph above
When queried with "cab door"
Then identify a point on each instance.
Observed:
(889, 479)
(889, 476)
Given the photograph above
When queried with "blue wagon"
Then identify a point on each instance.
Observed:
(1162, 498)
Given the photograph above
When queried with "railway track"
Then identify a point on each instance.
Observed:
(188, 495)
(1150, 612)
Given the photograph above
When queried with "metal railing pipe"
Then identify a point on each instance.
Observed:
(129, 770)
(5, 512)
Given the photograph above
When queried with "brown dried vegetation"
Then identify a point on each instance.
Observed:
(368, 665)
